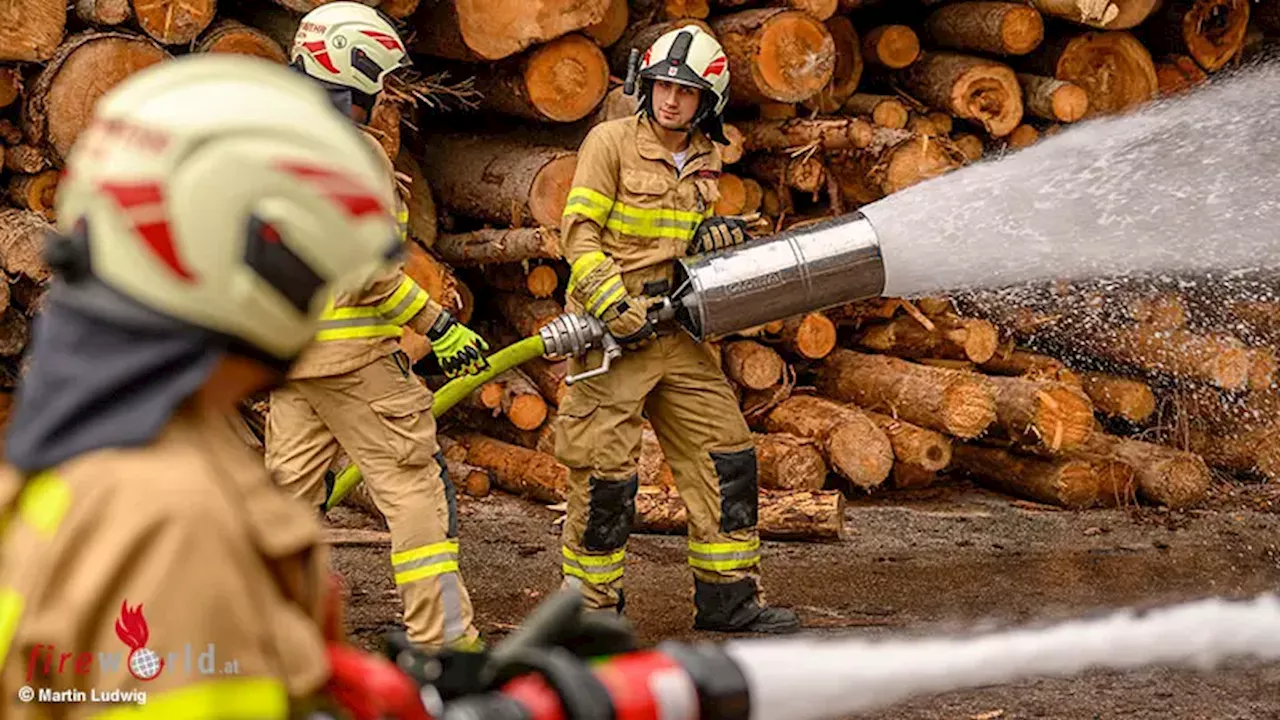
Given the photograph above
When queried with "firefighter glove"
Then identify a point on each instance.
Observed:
(459, 350)
(628, 323)
(718, 233)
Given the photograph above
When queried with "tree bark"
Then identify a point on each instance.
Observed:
(35, 192)
(1054, 416)
(549, 377)
(171, 22)
(60, 101)
(438, 280)
(104, 12)
(22, 235)
(852, 444)
(30, 30)
(828, 133)
(968, 87)
(559, 81)
(894, 160)
(1164, 476)
(539, 281)
(783, 515)
(884, 110)
(1055, 100)
(1120, 397)
(953, 338)
(775, 55)
(1114, 69)
(499, 179)
(520, 400)
(14, 332)
(788, 462)
(384, 126)
(279, 20)
(1110, 15)
(495, 29)
(1209, 31)
(520, 471)
(499, 245)
(914, 445)
(848, 68)
(804, 174)
(419, 203)
(1030, 366)
(232, 36)
(26, 159)
(527, 315)
(751, 364)
(1069, 483)
(891, 46)
(999, 28)
(677, 10)
(611, 29)
(958, 403)
(1256, 451)
(1178, 74)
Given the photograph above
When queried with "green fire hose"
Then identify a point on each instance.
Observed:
(451, 394)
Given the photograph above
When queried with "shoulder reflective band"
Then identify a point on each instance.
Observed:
(382, 320)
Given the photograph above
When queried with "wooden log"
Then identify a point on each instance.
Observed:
(22, 235)
(1120, 397)
(952, 337)
(26, 159)
(806, 174)
(15, 331)
(1054, 416)
(499, 179)
(1256, 451)
(1178, 74)
(30, 30)
(232, 36)
(891, 46)
(753, 196)
(788, 462)
(1052, 99)
(538, 281)
(1000, 28)
(884, 110)
(495, 29)
(1022, 136)
(894, 160)
(277, 19)
(854, 447)
(1209, 31)
(1217, 359)
(906, 476)
(35, 192)
(775, 54)
(549, 377)
(914, 445)
(10, 134)
(60, 101)
(811, 336)
(1108, 15)
(527, 315)
(10, 85)
(820, 9)
(776, 111)
(640, 35)
(1164, 476)
(384, 126)
(734, 151)
(848, 68)
(1069, 483)
(733, 195)
(498, 245)
(1029, 365)
(1114, 69)
(171, 22)
(783, 515)
(752, 365)
(520, 471)
(559, 81)
(421, 207)
(968, 87)
(957, 403)
(439, 281)
(970, 146)
(520, 400)
(104, 12)
(828, 133)
(673, 9)
(611, 28)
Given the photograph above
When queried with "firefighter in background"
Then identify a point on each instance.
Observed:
(354, 389)
(200, 230)
(642, 196)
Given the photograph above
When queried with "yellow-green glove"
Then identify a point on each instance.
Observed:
(596, 283)
(459, 350)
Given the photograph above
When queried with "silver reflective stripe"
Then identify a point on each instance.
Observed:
(404, 304)
(352, 322)
(451, 599)
(722, 556)
(604, 295)
(593, 569)
(425, 561)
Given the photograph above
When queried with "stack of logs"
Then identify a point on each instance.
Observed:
(834, 104)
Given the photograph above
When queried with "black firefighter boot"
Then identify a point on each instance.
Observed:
(733, 607)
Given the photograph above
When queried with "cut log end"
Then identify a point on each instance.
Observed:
(848, 68)
(752, 365)
(784, 56)
(891, 46)
(229, 36)
(732, 152)
(1114, 69)
(812, 336)
(1178, 74)
(967, 410)
(35, 192)
(1002, 28)
(788, 462)
(104, 12)
(30, 30)
(609, 30)
(733, 195)
(1053, 99)
(567, 78)
(1214, 30)
(970, 145)
(1022, 136)
(550, 190)
(174, 23)
(1120, 397)
(982, 91)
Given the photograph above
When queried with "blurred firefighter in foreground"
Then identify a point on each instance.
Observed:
(200, 229)
(643, 195)
(354, 389)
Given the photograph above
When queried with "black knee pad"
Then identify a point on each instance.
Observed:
(739, 488)
(450, 495)
(609, 517)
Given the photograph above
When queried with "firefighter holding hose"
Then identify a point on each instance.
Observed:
(643, 195)
(354, 388)
(200, 230)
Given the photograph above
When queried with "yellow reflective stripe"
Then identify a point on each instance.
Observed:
(11, 604)
(584, 265)
(44, 501)
(406, 286)
(355, 333)
(407, 300)
(595, 569)
(612, 292)
(588, 203)
(727, 547)
(722, 557)
(425, 561)
(347, 313)
(653, 223)
(224, 699)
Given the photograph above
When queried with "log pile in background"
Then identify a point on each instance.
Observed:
(835, 103)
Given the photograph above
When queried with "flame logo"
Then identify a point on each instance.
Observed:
(131, 626)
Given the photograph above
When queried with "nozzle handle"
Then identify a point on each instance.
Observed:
(612, 351)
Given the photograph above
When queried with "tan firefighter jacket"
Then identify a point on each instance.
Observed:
(182, 551)
(629, 201)
(362, 325)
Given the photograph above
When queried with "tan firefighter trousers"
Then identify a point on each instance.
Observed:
(381, 416)
(695, 414)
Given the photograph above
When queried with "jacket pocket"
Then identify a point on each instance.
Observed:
(408, 423)
(573, 429)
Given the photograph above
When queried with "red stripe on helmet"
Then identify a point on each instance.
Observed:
(320, 54)
(354, 199)
(155, 233)
(715, 67)
(384, 40)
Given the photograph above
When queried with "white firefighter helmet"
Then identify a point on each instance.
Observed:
(691, 56)
(225, 192)
(348, 44)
